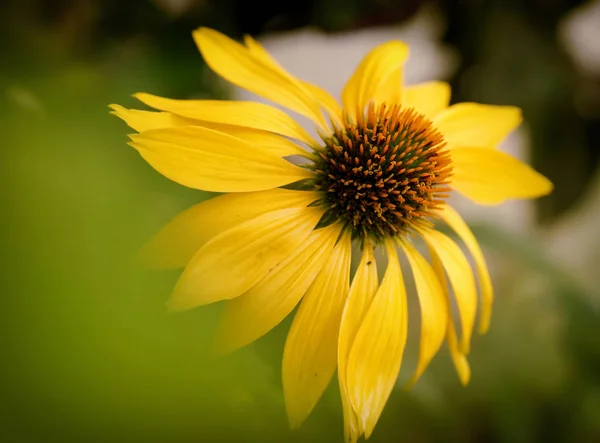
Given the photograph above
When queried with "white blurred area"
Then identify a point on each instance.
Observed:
(574, 241)
(580, 35)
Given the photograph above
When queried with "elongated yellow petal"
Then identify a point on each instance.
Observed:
(253, 314)
(310, 354)
(324, 98)
(271, 143)
(363, 289)
(376, 354)
(238, 65)
(390, 90)
(434, 307)
(455, 221)
(327, 102)
(378, 76)
(489, 176)
(458, 358)
(461, 278)
(237, 259)
(204, 159)
(429, 98)
(237, 113)
(473, 124)
(148, 120)
(177, 242)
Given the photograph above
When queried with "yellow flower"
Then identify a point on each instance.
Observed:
(382, 169)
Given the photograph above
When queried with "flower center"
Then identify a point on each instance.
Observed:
(384, 172)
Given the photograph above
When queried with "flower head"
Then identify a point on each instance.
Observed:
(383, 172)
(282, 234)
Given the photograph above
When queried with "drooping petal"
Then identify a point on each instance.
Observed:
(253, 314)
(148, 120)
(434, 307)
(238, 65)
(324, 98)
(429, 98)
(237, 113)
(455, 221)
(310, 354)
(474, 124)
(458, 358)
(209, 160)
(237, 259)
(177, 242)
(461, 278)
(376, 353)
(489, 176)
(378, 76)
(363, 289)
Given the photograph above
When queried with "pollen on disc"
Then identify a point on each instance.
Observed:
(385, 172)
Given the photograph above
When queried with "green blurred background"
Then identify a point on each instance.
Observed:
(88, 351)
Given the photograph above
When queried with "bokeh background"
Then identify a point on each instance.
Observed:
(88, 352)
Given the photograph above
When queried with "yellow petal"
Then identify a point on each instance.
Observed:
(390, 90)
(461, 278)
(324, 98)
(378, 76)
(148, 120)
(271, 143)
(455, 221)
(310, 354)
(238, 65)
(429, 98)
(458, 358)
(204, 159)
(376, 354)
(253, 314)
(177, 242)
(489, 176)
(237, 259)
(237, 113)
(261, 140)
(473, 124)
(363, 289)
(434, 307)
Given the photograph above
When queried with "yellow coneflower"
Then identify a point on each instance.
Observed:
(382, 170)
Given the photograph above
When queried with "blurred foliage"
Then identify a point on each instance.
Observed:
(89, 353)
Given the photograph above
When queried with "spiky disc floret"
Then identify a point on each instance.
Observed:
(384, 172)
